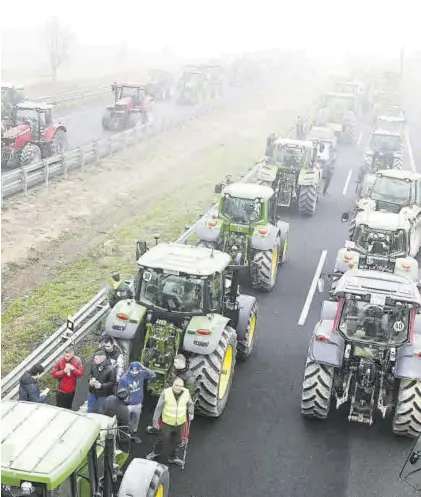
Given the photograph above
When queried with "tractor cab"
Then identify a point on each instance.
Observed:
(10, 96)
(133, 91)
(36, 115)
(47, 451)
(393, 124)
(293, 153)
(383, 141)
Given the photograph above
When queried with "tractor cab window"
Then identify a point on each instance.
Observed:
(289, 156)
(171, 292)
(63, 490)
(379, 242)
(384, 143)
(391, 190)
(23, 114)
(215, 287)
(241, 210)
(374, 323)
(135, 93)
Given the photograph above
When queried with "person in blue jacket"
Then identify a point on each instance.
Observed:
(134, 380)
(28, 385)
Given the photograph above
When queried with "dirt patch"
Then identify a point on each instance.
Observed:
(62, 224)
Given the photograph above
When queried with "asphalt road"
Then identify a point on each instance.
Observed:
(262, 445)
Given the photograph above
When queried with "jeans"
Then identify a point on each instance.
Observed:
(95, 404)
(135, 412)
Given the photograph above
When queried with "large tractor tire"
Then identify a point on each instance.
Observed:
(351, 226)
(214, 374)
(59, 143)
(266, 262)
(398, 163)
(307, 200)
(407, 418)
(106, 122)
(317, 390)
(31, 154)
(247, 327)
(148, 478)
(284, 250)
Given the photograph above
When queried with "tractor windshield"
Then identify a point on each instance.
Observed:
(392, 126)
(22, 114)
(391, 190)
(372, 323)
(172, 292)
(339, 105)
(380, 242)
(289, 156)
(241, 210)
(127, 91)
(385, 143)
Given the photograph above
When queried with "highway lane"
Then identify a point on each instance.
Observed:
(262, 445)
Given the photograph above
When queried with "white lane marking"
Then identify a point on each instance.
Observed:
(410, 152)
(310, 295)
(359, 139)
(348, 179)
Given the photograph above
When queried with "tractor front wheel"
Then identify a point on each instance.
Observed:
(267, 267)
(307, 200)
(31, 154)
(58, 144)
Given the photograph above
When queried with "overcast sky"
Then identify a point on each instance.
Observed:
(194, 27)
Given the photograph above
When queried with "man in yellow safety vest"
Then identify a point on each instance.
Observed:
(175, 406)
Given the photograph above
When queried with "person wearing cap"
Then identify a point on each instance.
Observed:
(102, 382)
(181, 370)
(175, 407)
(133, 380)
(120, 290)
(114, 354)
(116, 405)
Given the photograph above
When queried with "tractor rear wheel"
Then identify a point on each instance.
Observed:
(214, 374)
(31, 154)
(267, 266)
(407, 418)
(106, 122)
(307, 200)
(58, 144)
(317, 390)
(246, 335)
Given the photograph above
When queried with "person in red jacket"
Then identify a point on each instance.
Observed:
(67, 370)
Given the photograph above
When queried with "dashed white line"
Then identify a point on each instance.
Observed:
(359, 138)
(348, 179)
(310, 295)
(410, 152)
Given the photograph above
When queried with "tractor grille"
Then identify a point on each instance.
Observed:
(238, 240)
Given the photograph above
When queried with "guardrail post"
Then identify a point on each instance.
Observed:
(82, 157)
(25, 181)
(96, 151)
(46, 173)
(2, 187)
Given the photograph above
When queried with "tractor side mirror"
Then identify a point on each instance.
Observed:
(141, 248)
(219, 187)
(345, 217)
(321, 284)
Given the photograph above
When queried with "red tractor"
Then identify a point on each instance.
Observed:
(31, 135)
(132, 105)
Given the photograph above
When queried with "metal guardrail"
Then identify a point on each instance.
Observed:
(24, 178)
(74, 96)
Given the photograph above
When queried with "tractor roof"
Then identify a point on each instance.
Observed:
(387, 221)
(293, 142)
(349, 96)
(399, 174)
(42, 443)
(10, 86)
(362, 282)
(248, 191)
(353, 83)
(392, 119)
(26, 104)
(385, 132)
(176, 257)
(131, 84)
(321, 133)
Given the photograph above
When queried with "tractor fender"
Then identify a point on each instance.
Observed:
(309, 177)
(246, 303)
(411, 273)
(52, 130)
(331, 353)
(264, 242)
(328, 310)
(283, 227)
(204, 344)
(267, 172)
(209, 233)
(138, 477)
(407, 364)
(124, 329)
(342, 264)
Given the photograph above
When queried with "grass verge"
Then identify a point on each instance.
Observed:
(28, 321)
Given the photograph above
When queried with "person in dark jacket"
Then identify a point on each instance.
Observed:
(102, 382)
(329, 171)
(116, 405)
(114, 354)
(120, 291)
(28, 385)
(181, 370)
(67, 370)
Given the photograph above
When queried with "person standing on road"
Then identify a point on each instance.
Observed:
(28, 385)
(175, 406)
(120, 290)
(114, 354)
(102, 382)
(116, 405)
(134, 380)
(181, 370)
(67, 370)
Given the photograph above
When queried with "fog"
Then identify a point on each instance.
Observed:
(326, 29)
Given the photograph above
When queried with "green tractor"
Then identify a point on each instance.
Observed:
(291, 170)
(248, 229)
(47, 451)
(187, 300)
(193, 86)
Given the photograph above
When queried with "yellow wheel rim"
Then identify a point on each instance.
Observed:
(284, 250)
(252, 329)
(225, 373)
(275, 261)
(160, 491)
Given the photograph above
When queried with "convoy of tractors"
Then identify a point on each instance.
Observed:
(365, 351)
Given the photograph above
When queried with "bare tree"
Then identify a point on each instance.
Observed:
(59, 40)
